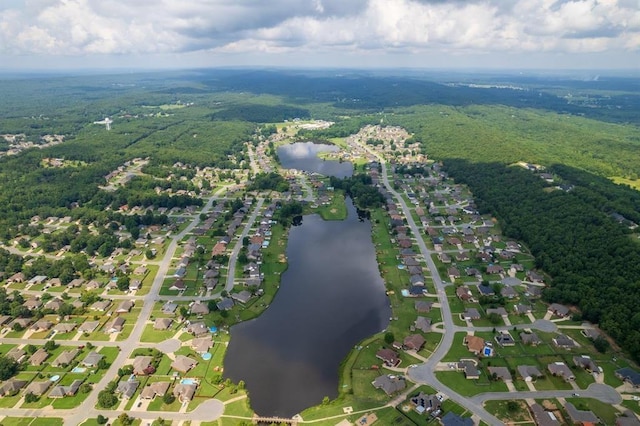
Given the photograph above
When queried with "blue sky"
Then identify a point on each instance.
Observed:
(544, 34)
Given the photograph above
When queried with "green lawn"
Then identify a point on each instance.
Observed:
(456, 381)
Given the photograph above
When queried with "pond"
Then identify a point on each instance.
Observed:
(304, 156)
(330, 298)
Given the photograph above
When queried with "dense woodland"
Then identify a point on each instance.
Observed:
(591, 258)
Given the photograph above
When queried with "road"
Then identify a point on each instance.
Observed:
(233, 257)
(424, 373)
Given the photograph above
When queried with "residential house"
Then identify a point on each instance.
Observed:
(11, 387)
(41, 325)
(508, 292)
(530, 339)
(580, 417)
(423, 324)
(169, 308)
(32, 304)
(225, 304)
(504, 338)
(184, 392)
(16, 354)
(202, 345)
(162, 323)
(535, 277)
(101, 305)
(115, 326)
(529, 372)
(464, 294)
(183, 364)
(241, 297)
(627, 419)
(521, 309)
(501, 373)
(38, 357)
(60, 391)
(469, 368)
(585, 361)
(197, 328)
(414, 342)
(127, 388)
(423, 307)
(125, 306)
(470, 314)
(486, 290)
(38, 388)
(22, 323)
(543, 417)
(54, 304)
(498, 311)
(178, 285)
(65, 358)
(560, 369)
(629, 375)
(157, 388)
(198, 308)
(389, 357)
(495, 269)
(64, 327)
(88, 326)
(92, 359)
(558, 310)
(389, 384)
(533, 291)
(452, 419)
(142, 365)
(565, 342)
(92, 285)
(475, 344)
(425, 403)
(453, 273)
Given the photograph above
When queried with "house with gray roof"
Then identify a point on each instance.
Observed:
(585, 361)
(502, 373)
(225, 304)
(38, 357)
(127, 388)
(561, 369)
(115, 326)
(92, 359)
(565, 342)
(558, 310)
(389, 384)
(88, 326)
(530, 339)
(64, 327)
(198, 308)
(162, 323)
(629, 375)
(197, 328)
(423, 324)
(470, 314)
(16, 354)
(59, 391)
(529, 372)
(580, 416)
(142, 365)
(12, 387)
(543, 417)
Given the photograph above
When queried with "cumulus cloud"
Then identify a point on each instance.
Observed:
(85, 27)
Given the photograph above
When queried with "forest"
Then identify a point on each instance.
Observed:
(591, 258)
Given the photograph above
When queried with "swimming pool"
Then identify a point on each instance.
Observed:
(78, 370)
(206, 356)
(188, 382)
(54, 378)
(404, 292)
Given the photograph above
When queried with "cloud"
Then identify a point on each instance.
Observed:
(123, 27)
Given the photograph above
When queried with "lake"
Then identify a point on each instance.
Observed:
(330, 298)
(304, 156)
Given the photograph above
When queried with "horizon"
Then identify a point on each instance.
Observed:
(363, 34)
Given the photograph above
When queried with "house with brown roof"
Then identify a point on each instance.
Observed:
(199, 308)
(101, 305)
(414, 342)
(32, 304)
(16, 354)
(197, 328)
(64, 327)
(543, 417)
(423, 324)
(88, 326)
(38, 357)
(184, 392)
(580, 417)
(162, 323)
(475, 344)
(38, 388)
(125, 306)
(202, 345)
(142, 365)
(183, 364)
(464, 293)
(60, 391)
(41, 325)
(65, 358)
(423, 306)
(157, 388)
(470, 314)
(389, 357)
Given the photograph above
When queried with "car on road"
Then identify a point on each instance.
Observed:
(576, 394)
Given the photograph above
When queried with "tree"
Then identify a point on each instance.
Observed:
(168, 398)
(29, 398)
(389, 338)
(149, 254)
(125, 420)
(512, 406)
(325, 400)
(126, 370)
(102, 420)
(601, 344)
(107, 399)
(50, 345)
(8, 367)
